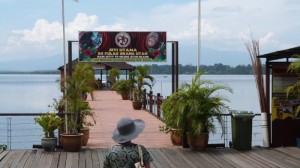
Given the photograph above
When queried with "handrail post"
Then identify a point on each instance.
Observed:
(151, 101)
(144, 98)
(158, 103)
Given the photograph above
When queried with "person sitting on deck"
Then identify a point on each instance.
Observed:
(126, 154)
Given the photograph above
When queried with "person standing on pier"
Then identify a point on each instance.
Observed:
(126, 153)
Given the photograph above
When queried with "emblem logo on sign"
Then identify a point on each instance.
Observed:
(122, 39)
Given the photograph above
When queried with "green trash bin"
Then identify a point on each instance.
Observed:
(241, 125)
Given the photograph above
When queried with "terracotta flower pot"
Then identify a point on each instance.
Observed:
(137, 105)
(86, 135)
(176, 138)
(71, 143)
(125, 96)
(198, 143)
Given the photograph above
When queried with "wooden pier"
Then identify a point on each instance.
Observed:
(109, 108)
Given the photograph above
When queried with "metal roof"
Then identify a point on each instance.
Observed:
(104, 65)
(287, 53)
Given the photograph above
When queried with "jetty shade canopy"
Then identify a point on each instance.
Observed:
(287, 53)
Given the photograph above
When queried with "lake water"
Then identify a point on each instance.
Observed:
(33, 94)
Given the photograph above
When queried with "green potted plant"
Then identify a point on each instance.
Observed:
(122, 87)
(139, 79)
(175, 133)
(58, 105)
(113, 75)
(294, 67)
(80, 83)
(87, 119)
(195, 107)
(49, 122)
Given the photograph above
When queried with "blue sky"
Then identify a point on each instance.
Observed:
(32, 29)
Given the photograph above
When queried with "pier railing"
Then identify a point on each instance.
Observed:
(19, 130)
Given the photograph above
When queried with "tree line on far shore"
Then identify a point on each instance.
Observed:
(209, 69)
(217, 69)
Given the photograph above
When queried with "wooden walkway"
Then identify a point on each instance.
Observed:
(288, 157)
(109, 108)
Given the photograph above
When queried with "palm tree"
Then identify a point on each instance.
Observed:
(195, 106)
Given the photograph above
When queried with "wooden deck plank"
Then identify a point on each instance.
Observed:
(22, 162)
(159, 158)
(95, 159)
(75, 160)
(262, 162)
(62, 160)
(177, 159)
(9, 162)
(18, 158)
(37, 158)
(280, 162)
(235, 158)
(101, 154)
(42, 160)
(82, 158)
(6, 158)
(267, 161)
(48, 161)
(291, 151)
(220, 157)
(286, 158)
(163, 157)
(30, 159)
(243, 156)
(2, 154)
(55, 160)
(88, 158)
(189, 160)
(196, 158)
(69, 160)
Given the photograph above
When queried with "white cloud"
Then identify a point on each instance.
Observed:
(42, 32)
(267, 39)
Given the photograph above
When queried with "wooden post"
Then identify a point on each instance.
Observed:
(158, 103)
(144, 98)
(69, 58)
(151, 102)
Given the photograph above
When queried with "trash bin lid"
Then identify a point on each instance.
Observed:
(242, 114)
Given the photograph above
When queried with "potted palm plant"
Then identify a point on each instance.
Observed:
(195, 107)
(113, 75)
(122, 87)
(294, 67)
(140, 79)
(80, 83)
(49, 122)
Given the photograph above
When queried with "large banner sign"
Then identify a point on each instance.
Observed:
(95, 46)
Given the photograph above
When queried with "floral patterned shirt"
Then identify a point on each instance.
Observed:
(120, 156)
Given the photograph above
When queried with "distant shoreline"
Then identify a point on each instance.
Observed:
(30, 72)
